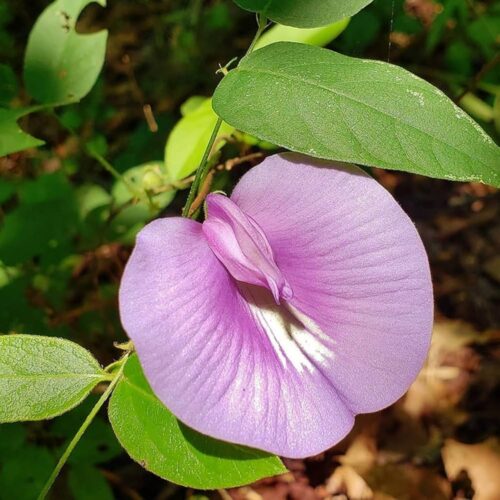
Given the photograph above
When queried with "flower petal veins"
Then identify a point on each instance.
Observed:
(302, 300)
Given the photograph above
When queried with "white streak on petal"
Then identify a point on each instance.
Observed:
(296, 339)
(312, 340)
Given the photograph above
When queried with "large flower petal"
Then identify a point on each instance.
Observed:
(223, 357)
(357, 268)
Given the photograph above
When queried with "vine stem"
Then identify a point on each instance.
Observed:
(82, 429)
(204, 166)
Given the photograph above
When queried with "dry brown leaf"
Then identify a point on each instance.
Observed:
(346, 479)
(362, 453)
(407, 482)
(492, 268)
(480, 461)
(448, 370)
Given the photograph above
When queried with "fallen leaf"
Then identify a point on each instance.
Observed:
(347, 480)
(480, 461)
(448, 370)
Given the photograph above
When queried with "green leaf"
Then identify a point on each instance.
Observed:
(23, 475)
(305, 14)
(188, 139)
(331, 106)
(99, 446)
(159, 442)
(42, 377)
(484, 32)
(12, 138)
(6, 190)
(42, 224)
(191, 104)
(87, 483)
(149, 176)
(12, 438)
(313, 36)
(89, 197)
(8, 84)
(496, 112)
(61, 66)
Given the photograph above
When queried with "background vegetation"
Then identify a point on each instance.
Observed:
(68, 221)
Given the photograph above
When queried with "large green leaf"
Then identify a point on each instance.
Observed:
(12, 138)
(327, 105)
(304, 13)
(188, 139)
(42, 377)
(163, 445)
(61, 66)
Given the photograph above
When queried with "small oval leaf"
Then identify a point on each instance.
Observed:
(160, 443)
(312, 36)
(42, 377)
(323, 104)
(188, 139)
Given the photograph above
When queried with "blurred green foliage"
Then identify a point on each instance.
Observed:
(67, 221)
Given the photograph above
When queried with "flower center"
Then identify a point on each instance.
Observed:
(242, 247)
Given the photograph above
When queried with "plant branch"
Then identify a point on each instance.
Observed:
(204, 166)
(90, 417)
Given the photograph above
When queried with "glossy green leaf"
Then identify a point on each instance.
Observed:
(305, 13)
(42, 377)
(327, 105)
(313, 36)
(61, 66)
(159, 442)
(12, 137)
(188, 139)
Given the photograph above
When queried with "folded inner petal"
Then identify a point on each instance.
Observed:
(241, 245)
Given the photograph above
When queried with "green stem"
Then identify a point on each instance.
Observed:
(204, 162)
(262, 25)
(112, 170)
(204, 166)
(82, 429)
(136, 193)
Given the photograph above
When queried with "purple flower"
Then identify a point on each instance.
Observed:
(301, 301)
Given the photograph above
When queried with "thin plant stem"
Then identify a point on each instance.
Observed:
(112, 170)
(204, 166)
(82, 429)
(262, 25)
(136, 193)
(197, 180)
